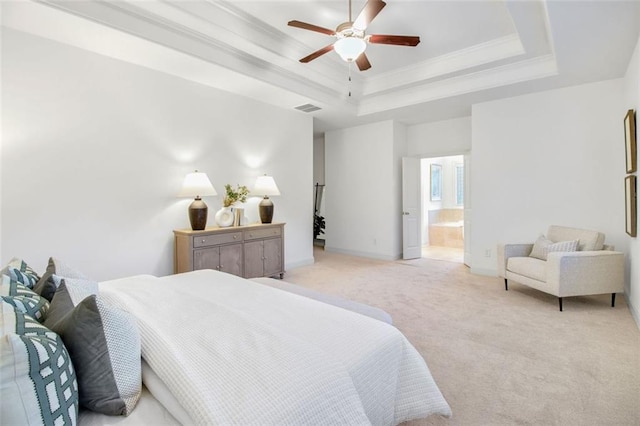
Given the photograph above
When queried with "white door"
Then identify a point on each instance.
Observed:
(467, 210)
(411, 202)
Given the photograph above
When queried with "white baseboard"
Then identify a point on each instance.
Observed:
(634, 312)
(362, 254)
(483, 271)
(299, 263)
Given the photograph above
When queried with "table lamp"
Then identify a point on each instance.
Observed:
(265, 185)
(197, 185)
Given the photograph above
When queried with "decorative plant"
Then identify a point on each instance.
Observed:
(318, 225)
(232, 196)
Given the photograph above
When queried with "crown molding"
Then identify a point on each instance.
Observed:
(526, 70)
(211, 46)
(473, 56)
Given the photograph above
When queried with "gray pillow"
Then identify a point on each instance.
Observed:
(104, 345)
(70, 292)
(47, 285)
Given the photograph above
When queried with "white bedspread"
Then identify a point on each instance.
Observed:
(237, 352)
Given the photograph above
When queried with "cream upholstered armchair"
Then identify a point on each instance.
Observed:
(567, 262)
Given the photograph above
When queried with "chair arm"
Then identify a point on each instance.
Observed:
(505, 251)
(586, 272)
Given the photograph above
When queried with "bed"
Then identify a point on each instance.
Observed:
(220, 349)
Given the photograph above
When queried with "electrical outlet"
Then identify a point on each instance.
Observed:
(487, 253)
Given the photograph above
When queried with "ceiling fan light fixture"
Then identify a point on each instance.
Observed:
(349, 48)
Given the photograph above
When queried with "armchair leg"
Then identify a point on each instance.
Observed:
(560, 302)
(613, 300)
(506, 287)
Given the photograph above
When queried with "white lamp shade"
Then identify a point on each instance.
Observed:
(349, 48)
(196, 184)
(265, 185)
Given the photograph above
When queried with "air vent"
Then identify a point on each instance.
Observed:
(307, 108)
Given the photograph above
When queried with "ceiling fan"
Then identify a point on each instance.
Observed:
(351, 38)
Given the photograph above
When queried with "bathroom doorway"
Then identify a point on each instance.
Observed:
(443, 209)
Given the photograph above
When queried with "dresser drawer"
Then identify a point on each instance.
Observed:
(212, 240)
(256, 234)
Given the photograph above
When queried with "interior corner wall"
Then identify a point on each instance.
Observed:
(318, 160)
(632, 101)
(548, 158)
(362, 195)
(94, 151)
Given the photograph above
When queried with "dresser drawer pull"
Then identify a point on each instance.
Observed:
(235, 237)
(203, 240)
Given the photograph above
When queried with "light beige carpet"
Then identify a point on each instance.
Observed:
(499, 357)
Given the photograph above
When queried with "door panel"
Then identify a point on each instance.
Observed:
(253, 262)
(272, 256)
(411, 202)
(231, 259)
(208, 258)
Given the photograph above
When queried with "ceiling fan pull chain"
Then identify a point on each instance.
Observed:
(349, 79)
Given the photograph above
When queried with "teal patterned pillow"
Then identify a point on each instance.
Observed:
(23, 299)
(37, 379)
(21, 272)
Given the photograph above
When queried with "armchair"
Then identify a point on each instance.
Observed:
(591, 268)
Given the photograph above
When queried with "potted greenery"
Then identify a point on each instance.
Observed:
(225, 216)
(232, 196)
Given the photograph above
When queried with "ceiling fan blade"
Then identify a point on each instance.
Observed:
(363, 62)
(311, 27)
(317, 54)
(397, 40)
(368, 12)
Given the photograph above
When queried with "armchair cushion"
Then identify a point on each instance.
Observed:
(528, 266)
(589, 240)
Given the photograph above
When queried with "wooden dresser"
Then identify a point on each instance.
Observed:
(247, 251)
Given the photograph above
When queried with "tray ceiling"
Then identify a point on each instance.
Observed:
(470, 51)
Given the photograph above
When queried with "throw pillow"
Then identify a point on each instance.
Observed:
(37, 379)
(561, 246)
(23, 299)
(104, 344)
(21, 272)
(47, 286)
(70, 293)
(539, 246)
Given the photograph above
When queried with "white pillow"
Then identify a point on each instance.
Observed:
(539, 247)
(561, 246)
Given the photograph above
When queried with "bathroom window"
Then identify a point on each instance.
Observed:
(459, 184)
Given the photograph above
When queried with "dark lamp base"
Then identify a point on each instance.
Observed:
(198, 211)
(266, 210)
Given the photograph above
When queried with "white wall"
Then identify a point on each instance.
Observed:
(631, 89)
(555, 157)
(95, 149)
(440, 138)
(363, 192)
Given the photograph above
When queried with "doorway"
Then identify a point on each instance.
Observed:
(443, 208)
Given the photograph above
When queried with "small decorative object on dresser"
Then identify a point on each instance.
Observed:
(265, 186)
(225, 216)
(249, 252)
(197, 185)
